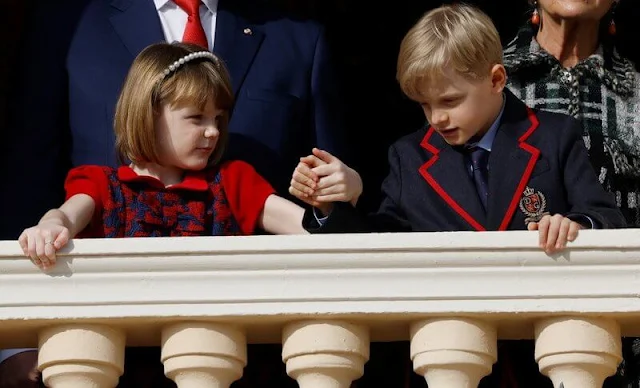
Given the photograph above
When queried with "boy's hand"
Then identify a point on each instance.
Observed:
(41, 242)
(323, 178)
(555, 231)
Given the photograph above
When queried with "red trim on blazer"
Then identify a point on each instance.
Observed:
(535, 153)
(423, 170)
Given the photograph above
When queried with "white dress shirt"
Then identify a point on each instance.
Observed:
(174, 19)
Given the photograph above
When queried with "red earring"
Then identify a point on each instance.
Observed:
(612, 28)
(535, 17)
(612, 23)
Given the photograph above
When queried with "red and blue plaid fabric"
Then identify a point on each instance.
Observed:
(135, 209)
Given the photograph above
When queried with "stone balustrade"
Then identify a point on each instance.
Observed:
(453, 295)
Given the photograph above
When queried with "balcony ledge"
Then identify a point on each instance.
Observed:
(388, 280)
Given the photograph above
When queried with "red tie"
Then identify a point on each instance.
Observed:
(193, 32)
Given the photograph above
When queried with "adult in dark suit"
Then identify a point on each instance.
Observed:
(75, 63)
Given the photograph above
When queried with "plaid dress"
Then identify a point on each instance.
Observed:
(223, 201)
(142, 210)
(602, 92)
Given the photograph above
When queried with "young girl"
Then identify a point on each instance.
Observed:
(171, 124)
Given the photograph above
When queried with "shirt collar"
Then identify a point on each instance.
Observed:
(193, 180)
(486, 142)
(212, 5)
(160, 3)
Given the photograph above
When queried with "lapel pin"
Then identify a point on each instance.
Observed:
(247, 31)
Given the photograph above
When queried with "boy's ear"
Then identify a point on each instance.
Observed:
(498, 78)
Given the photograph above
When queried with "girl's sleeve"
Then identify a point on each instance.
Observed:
(90, 180)
(246, 192)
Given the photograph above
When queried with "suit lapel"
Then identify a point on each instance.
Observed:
(236, 42)
(511, 162)
(446, 173)
(137, 23)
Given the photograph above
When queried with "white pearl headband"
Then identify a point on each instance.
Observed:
(187, 58)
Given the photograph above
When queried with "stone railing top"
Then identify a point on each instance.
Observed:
(380, 276)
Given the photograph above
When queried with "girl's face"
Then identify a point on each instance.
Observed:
(187, 135)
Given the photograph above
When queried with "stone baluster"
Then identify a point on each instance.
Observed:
(325, 354)
(203, 354)
(578, 352)
(453, 352)
(81, 356)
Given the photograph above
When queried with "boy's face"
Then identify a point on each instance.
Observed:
(459, 108)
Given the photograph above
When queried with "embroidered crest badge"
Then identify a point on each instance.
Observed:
(533, 204)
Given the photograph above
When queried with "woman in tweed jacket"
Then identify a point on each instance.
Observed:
(566, 62)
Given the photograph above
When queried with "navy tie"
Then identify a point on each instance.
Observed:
(479, 159)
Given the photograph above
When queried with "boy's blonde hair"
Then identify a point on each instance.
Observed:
(457, 37)
(146, 89)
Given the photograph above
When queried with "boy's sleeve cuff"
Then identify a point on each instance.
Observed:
(583, 220)
(320, 220)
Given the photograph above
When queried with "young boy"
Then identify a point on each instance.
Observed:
(484, 161)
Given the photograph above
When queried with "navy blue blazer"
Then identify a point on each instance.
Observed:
(286, 98)
(538, 164)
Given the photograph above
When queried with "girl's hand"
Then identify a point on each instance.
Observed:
(304, 181)
(41, 242)
(321, 178)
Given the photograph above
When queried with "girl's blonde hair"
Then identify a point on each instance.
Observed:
(456, 37)
(147, 88)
